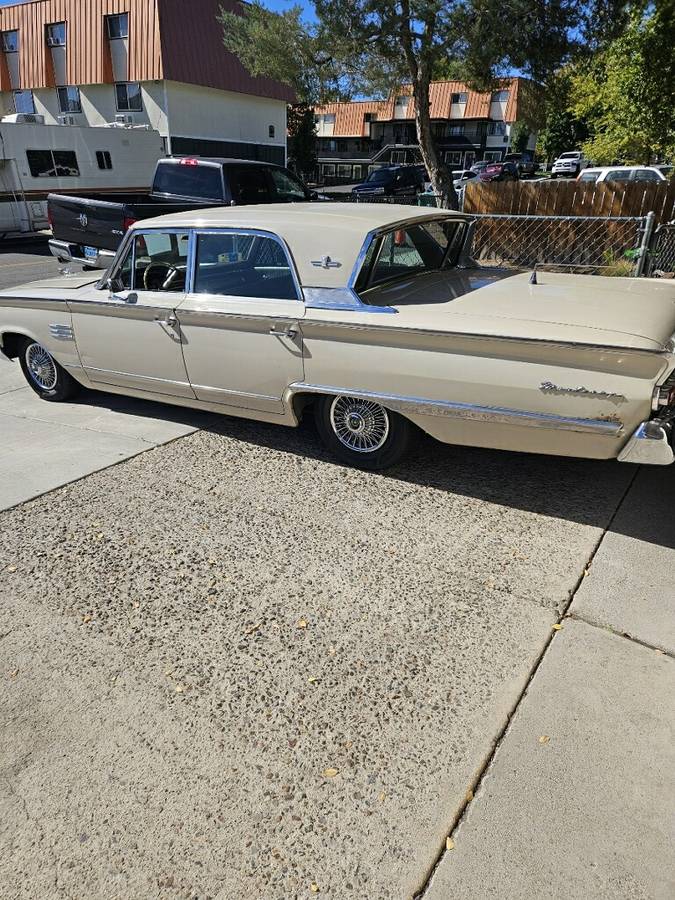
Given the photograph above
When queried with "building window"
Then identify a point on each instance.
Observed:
(344, 170)
(497, 128)
(23, 102)
(459, 98)
(117, 26)
(52, 163)
(56, 34)
(271, 131)
(492, 155)
(398, 157)
(69, 99)
(328, 170)
(358, 172)
(500, 96)
(103, 159)
(456, 130)
(128, 96)
(454, 157)
(10, 41)
(401, 105)
(439, 129)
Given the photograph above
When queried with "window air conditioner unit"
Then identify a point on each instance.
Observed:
(67, 120)
(124, 119)
(24, 119)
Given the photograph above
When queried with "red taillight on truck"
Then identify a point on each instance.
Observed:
(188, 162)
(127, 222)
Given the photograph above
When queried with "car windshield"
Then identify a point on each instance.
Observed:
(589, 175)
(570, 156)
(380, 175)
(411, 250)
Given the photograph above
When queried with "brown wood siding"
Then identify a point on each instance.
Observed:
(193, 50)
(87, 50)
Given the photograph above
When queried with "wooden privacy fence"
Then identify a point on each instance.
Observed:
(572, 198)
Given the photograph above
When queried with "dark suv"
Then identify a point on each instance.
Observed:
(392, 181)
(500, 171)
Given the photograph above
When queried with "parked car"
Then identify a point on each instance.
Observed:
(500, 171)
(478, 167)
(375, 317)
(391, 181)
(527, 167)
(568, 165)
(88, 228)
(462, 177)
(622, 173)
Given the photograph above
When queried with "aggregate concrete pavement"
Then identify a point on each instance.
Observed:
(578, 802)
(315, 662)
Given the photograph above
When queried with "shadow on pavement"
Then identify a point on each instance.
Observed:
(579, 490)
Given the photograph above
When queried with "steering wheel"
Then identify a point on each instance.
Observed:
(159, 276)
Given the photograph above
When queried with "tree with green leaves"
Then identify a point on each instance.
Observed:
(626, 93)
(376, 46)
(301, 138)
(563, 129)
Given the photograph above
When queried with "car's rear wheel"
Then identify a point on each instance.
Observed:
(49, 380)
(363, 433)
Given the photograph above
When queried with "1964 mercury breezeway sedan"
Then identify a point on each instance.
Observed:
(376, 317)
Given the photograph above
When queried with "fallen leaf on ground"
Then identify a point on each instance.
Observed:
(469, 796)
(382, 797)
(544, 739)
(314, 887)
(14, 673)
(86, 618)
(556, 627)
(312, 680)
(11, 568)
(179, 689)
(253, 628)
(329, 773)
(302, 623)
(449, 843)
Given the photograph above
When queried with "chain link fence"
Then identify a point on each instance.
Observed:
(661, 257)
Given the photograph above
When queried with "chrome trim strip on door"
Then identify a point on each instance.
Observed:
(248, 395)
(134, 375)
(472, 411)
(51, 304)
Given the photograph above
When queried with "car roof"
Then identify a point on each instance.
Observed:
(222, 160)
(601, 169)
(311, 230)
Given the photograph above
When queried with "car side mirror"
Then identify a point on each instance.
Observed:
(114, 285)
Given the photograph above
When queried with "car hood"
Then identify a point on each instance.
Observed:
(53, 287)
(636, 313)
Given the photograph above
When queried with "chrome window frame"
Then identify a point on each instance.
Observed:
(255, 232)
(129, 238)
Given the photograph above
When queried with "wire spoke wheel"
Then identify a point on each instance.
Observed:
(360, 425)
(41, 366)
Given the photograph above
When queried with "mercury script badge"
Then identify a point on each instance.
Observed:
(549, 388)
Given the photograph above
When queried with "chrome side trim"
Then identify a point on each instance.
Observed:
(135, 375)
(339, 299)
(245, 395)
(649, 445)
(475, 412)
(61, 332)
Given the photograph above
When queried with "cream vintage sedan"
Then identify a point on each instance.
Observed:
(376, 317)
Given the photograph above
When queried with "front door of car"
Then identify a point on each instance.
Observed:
(241, 321)
(128, 334)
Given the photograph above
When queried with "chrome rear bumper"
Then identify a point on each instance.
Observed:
(72, 254)
(651, 443)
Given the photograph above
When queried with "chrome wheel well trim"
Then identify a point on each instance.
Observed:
(452, 409)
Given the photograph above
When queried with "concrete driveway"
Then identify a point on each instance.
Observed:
(232, 668)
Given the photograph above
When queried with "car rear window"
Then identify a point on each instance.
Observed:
(411, 250)
(189, 179)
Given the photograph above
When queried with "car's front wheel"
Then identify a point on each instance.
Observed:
(49, 380)
(363, 433)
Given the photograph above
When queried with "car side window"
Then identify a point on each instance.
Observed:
(243, 265)
(160, 261)
(618, 175)
(286, 187)
(249, 184)
(646, 175)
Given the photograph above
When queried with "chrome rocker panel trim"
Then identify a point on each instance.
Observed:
(649, 445)
(493, 414)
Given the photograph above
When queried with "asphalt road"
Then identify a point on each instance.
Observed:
(26, 259)
(232, 668)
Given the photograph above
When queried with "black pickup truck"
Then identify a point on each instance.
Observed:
(87, 229)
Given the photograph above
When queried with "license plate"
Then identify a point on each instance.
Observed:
(90, 252)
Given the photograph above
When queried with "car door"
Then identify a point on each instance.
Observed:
(240, 321)
(127, 334)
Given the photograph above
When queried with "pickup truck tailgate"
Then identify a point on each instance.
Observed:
(82, 220)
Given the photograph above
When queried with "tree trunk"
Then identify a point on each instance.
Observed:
(441, 178)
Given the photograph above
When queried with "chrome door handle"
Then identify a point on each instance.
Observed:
(286, 331)
(170, 321)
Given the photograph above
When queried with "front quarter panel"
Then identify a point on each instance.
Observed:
(47, 320)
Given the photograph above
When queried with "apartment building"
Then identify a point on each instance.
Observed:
(155, 62)
(353, 138)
